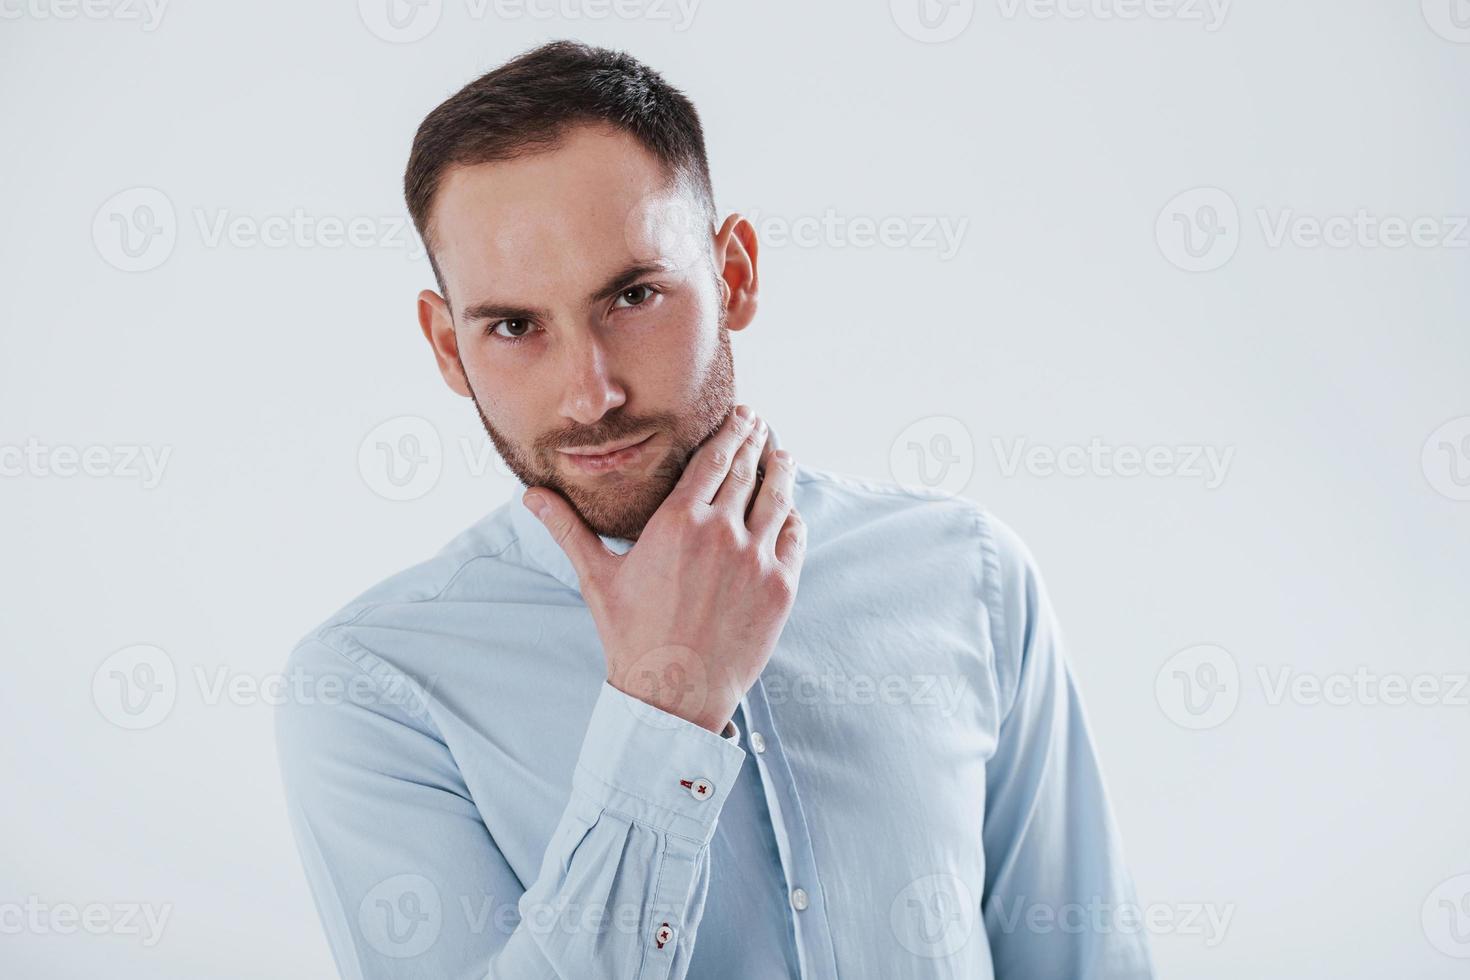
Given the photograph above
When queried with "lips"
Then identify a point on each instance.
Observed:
(613, 455)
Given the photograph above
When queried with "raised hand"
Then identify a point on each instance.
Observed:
(689, 617)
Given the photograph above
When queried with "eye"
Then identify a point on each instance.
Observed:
(513, 329)
(635, 296)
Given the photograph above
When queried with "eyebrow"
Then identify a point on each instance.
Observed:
(619, 281)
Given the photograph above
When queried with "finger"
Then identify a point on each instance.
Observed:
(589, 556)
(707, 468)
(791, 542)
(760, 475)
(773, 500)
(734, 493)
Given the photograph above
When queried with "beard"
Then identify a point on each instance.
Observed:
(619, 504)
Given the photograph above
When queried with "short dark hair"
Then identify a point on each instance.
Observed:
(526, 106)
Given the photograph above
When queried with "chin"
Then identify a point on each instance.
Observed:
(616, 512)
(619, 506)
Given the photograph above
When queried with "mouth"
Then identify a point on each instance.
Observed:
(612, 456)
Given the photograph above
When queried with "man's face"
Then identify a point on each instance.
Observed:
(588, 317)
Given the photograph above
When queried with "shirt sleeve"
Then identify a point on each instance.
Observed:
(1058, 899)
(408, 880)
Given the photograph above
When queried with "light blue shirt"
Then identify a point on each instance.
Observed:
(908, 791)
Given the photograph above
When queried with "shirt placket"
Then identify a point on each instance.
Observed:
(815, 952)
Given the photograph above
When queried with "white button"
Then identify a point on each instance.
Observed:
(663, 935)
(701, 789)
(757, 742)
(798, 898)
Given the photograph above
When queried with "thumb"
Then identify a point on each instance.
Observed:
(589, 556)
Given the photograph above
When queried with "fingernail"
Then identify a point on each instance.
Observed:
(743, 411)
(535, 503)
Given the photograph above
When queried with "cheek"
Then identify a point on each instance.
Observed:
(508, 391)
(670, 354)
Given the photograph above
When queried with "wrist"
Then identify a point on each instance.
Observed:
(680, 702)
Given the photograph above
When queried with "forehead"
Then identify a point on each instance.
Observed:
(528, 229)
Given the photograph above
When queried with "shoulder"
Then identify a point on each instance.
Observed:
(483, 561)
(359, 673)
(847, 502)
(939, 537)
(843, 500)
(488, 546)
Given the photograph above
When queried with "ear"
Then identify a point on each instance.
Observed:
(736, 250)
(438, 327)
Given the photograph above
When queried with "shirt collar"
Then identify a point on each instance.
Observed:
(541, 550)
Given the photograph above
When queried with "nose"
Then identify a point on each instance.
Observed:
(591, 391)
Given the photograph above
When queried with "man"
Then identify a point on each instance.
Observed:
(686, 709)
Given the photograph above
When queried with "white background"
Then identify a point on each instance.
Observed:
(1337, 540)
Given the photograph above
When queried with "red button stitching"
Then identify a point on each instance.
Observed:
(701, 790)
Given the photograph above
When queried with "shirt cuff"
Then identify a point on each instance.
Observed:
(655, 767)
